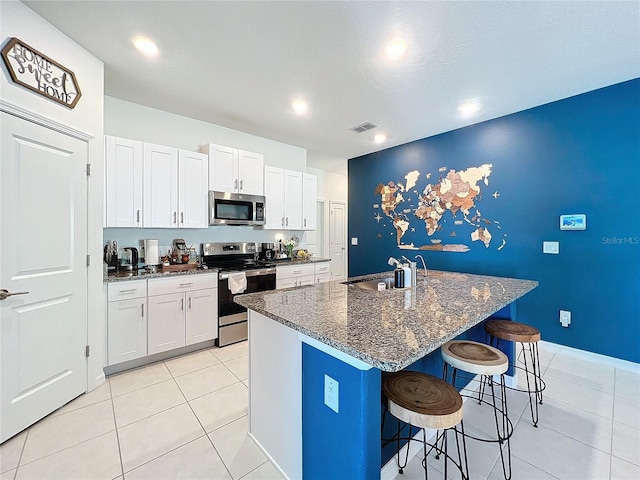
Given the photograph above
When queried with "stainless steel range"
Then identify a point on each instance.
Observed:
(237, 260)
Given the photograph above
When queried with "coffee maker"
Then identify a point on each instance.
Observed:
(267, 251)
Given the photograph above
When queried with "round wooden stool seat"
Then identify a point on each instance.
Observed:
(512, 331)
(474, 357)
(422, 400)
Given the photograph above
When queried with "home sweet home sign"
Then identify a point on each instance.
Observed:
(39, 73)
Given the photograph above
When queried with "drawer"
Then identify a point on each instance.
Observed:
(323, 267)
(293, 271)
(323, 277)
(126, 290)
(182, 283)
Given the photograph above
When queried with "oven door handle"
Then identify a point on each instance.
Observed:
(249, 273)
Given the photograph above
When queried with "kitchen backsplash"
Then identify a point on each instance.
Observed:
(132, 237)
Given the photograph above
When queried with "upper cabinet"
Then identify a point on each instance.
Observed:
(154, 186)
(309, 201)
(235, 171)
(123, 182)
(193, 168)
(290, 199)
(160, 174)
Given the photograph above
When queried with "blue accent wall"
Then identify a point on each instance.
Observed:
(577, 155)
(343, 445)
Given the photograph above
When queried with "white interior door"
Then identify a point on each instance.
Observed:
(338, 239)
(43, 231)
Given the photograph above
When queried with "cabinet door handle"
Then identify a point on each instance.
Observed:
(305, 222)
(137, 216)
(287, 222)
(182, 304)
(182, 217)
(189, 303)
(240, 185)
(142, 310)
(283, 221)
(175, 214)
(235, 184)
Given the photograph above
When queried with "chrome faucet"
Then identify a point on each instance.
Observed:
(423, 264)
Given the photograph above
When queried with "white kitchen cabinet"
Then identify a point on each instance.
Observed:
(322, 272)
(182, 311)
(160, 175)
(175, 188)
(283, 192)
(123, 182)
(274, 198)
(235, 171)
(193, 168)
(201, 316)
(295, 275)
(309, 200)
(126, 321)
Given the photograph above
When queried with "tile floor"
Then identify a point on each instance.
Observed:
(186, 418)
(589, 427)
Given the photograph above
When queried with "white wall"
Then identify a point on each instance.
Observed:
(130, 120)
(17, 20)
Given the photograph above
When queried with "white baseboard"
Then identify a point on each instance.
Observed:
(266, 454)
(590, 356)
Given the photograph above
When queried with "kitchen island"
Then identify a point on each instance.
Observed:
(317, 355)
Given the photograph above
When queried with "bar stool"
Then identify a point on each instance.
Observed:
(481, 359)
(424, 401)
(528, 337)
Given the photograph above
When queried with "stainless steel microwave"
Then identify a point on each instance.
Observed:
(235, 209)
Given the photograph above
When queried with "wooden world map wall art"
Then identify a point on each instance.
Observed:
(37, 72)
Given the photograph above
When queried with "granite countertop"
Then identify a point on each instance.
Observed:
(143, 274)
(394, 328)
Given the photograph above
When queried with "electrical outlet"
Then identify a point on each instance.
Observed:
(331, 393)
(565, 318)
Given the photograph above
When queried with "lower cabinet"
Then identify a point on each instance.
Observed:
(156, 315)
(127, 321)
(182, 311)
(300, 275)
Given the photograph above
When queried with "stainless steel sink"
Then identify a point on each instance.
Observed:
(371, 284)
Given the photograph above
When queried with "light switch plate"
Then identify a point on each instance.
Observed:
(331, 393)
(354, 240)
(551, 247)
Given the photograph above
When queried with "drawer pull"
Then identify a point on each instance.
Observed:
(297, 271)
(183, 285)
(130, 290)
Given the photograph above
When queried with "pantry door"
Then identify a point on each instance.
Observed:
(43, 233)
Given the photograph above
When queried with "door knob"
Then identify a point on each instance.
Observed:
(5, 293)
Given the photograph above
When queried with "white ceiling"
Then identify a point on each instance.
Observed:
(239, 64)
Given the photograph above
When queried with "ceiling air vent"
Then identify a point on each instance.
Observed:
(363, 127)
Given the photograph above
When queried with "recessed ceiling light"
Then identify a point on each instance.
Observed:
(469, 109)
(396, 48)
(379, 138)
(300, 107)
(145, 45)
